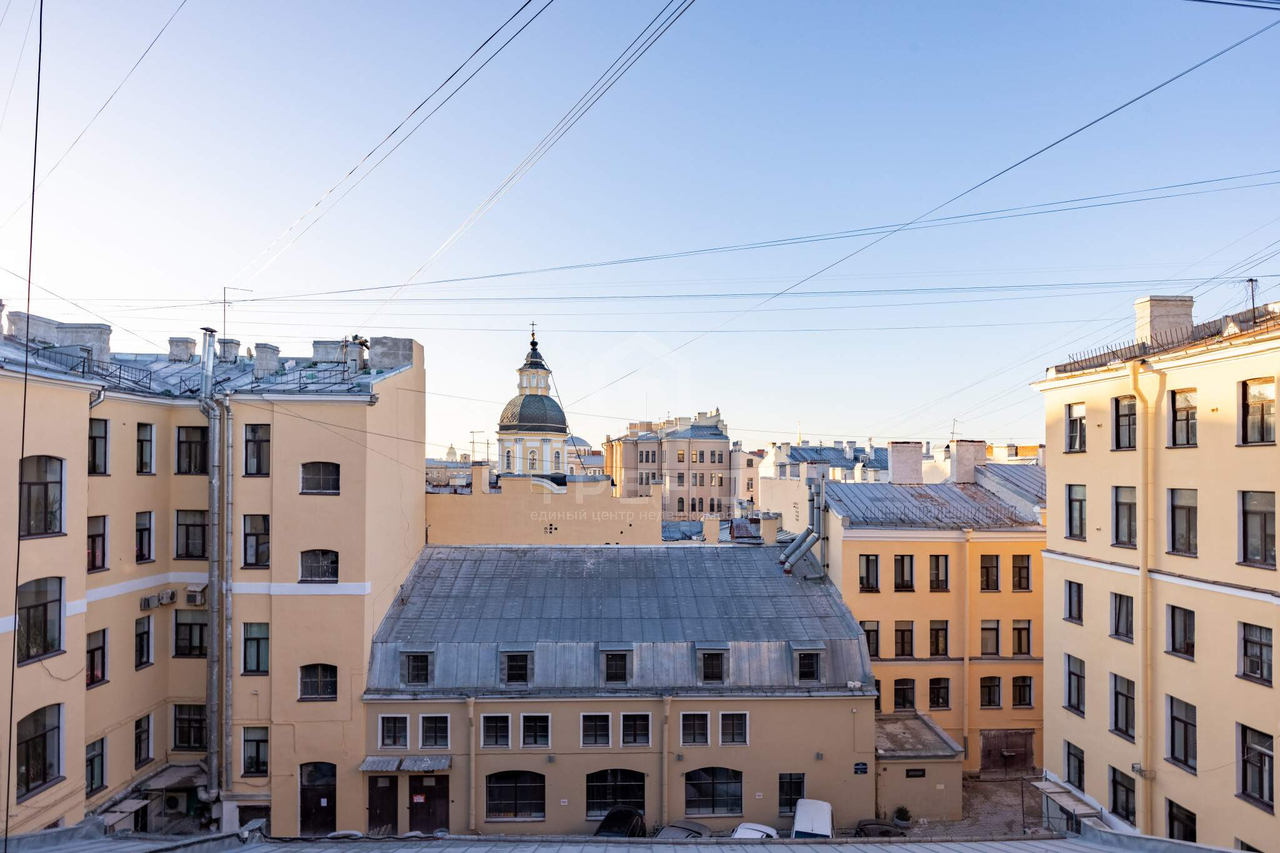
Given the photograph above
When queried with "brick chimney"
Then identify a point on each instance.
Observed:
(906, 463)
(181, 349)
(966, 456)
(1162, 316)
(266, 360)
(228, 350)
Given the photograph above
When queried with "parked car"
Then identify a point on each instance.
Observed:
(685, 829)
(813, 819)
(878, 829)
(622, 822)
(754, 830)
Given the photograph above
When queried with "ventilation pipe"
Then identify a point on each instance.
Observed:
(799, 541)
(815, 524)
(210, 409)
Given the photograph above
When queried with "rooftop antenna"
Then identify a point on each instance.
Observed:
(225, 288)
(474, 433)
(1251, 287)
(953, 429)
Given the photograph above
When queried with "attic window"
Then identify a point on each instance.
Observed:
(807, 667)
(615, 668)
(713, 666)
(516, 666)
(417, 669)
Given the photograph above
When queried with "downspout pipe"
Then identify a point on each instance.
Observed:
(213, 731)
(228, 552)
(471, 762)
(1146, 449)
(964, 633)
(666, 758)
(97, 398)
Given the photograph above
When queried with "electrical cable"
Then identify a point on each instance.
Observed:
(4, 113)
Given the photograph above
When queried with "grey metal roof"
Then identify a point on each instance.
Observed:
(464, 603)
(839, 457)
(944, 506)
(426, 763)
(1026, 480)
(380, 764)
(532, 413)
(911, 735)
(696, 432)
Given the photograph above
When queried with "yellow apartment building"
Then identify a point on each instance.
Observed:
(136, 589)
(946, 581)
(685, 460)
(1161, 704)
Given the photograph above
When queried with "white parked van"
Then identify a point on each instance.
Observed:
(813, 819)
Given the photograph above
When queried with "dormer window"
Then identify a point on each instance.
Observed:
(806, 661)
(417, 669)
(615, 668)
(516, 668)
(807, 666)
(713, 667)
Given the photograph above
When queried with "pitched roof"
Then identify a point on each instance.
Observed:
(698, 431)
(1029, 481)
(944, 506)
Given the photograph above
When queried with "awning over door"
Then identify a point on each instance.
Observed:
(426, 763)
(380, 764)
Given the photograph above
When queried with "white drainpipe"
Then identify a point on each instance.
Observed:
(209, 408)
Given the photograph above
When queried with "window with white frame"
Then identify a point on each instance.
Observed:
(695, 728)
(393, 731)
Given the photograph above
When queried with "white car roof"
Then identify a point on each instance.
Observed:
(754, 830)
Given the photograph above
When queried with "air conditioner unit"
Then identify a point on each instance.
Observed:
(175, 803)
(148, 601)
(167, 597)
(195, 599)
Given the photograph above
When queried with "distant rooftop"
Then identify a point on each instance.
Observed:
(943, 506)
(1027, 481)
(911, 735)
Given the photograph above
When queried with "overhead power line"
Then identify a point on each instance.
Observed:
(1244, 4)
(1081, 129)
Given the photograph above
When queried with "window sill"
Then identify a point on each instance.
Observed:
(139, 667)
(939, 707)
(1125, 545)
(191, 657)
(1253, 679)
(254, 674)
(95, 792)
(1174, 654)
(988, 590)
(193, 559)
(254, 775)
(99, 474)
(39, 658)
(97, 684)
(940, 589)
(904, 589)
(493, 746)
(1181, 446)
(868, 589)
(1255, 444)
(191, 473)
(1123, 449)
(41, 536)
(1122, 638)
(1190, 554)
(1269, 808)
(1178, 764)
(254, 568)
(1022, 590)
(990, 707)
(37, 791)
(144, 562)
(1266, 567)
(1122, 735)
(326, 494)
(1076, 538)
(190, 749)
(515, 820)
(144, 473)
(307, 580)
(1075, 711)
(693, 745)
(1024, 707)
(1073, 621)
(97, 571)
(317, 698)
(1080, 450)
(256, 477)
(143, 763)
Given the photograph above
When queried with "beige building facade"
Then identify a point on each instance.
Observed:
(685, 460)
(1161, 598)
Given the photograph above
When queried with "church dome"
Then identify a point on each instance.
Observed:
(532, 413)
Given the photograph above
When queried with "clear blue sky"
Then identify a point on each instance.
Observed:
(747, 121)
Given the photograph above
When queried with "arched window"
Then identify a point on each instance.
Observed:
(533, 460)
(321, 478)
(318, 681)
(39, 749)
(509, 460)
(39, 496)
(713, 790)
(39, 618)
(700, 505)
(515, 793)
(318, 798)
(679, 504)
(557, 460)
(319, 566)
(609, 788)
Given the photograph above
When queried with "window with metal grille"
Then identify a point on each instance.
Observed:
(1184, 418)
(394, 732)
(193, 450)
(595, 729)
(713, 790)
(1126, 423)
(495, 730)
(39, 496)
(95, 667)
(435, 731)
(614, 787)
(939, 574)
(319, 566)
(904, 694)
(713, 667)
(615, 668)
(733, 728)
(790, 792)
(1182, 733)
(323, 478)
(256, 751)
(939, 693)
(808, 666)
(189, 727)
(635, 729)
(517, 668)
(190, 633)
(989, 691)
(515, 794)
(695, 729)
(319, 681)
(1255, 652)
(96, 548)
(535, 730)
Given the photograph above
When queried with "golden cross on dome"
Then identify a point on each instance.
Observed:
(533, 334)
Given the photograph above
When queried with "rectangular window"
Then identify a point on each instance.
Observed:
(989, 691)
(615, 668)
(1021, 572)
(938, 638)
(990, 573)
(1126, 423)
(257, 541)
(1258, 766)
(790, 792)
(146, 449)
(904, 573)
(1022, 696)
(1255, 652)
(904, 694)
(393, 732)
(142, 538)
(713, 667)
(1259, 527)
(257, 648)
(679, 455)
(1122, 616)
(1182, 733)
(991, 637)
(869, 572)
(1022, 637)
(193, 526)
(877, 683)
(39, 496)
(97, 544)
(535, 730)
(1125, 514)
(435, 731)
(694, 729)
(733, 729)
(95, 771)
(1182, 631)
(1259, 415)
(257, 450)
(190, 633)
(256, 751)
(1184, 418)
(1075, 512)
(1075, 428)
(1123, 796)
(904, 639)
(595, 729)
(97, 446)
(193, 450)
(872, 630)
(679, 478)
(517, 668)
(1075, 684)
(635, 729)
(1075, 765)
(141, 740)
(939, 574)
(95, 668)
(141, 642)
(939, 693)
(807, 667)
(1122, 706)
(1181, 821)
(1182, 521)
(495, 731)
(325, 478)
(417, 669)
(39, 618)
(189, 727)
(1073, 602)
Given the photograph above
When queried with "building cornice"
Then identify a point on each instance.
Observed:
(1165, 576)
(914, 534)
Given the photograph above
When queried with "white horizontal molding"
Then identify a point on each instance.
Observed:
(1165, 577)
(139, 584)
(920, 534)
(301, 588)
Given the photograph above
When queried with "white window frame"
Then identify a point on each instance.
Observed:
(408, 736)
(684, 714)
(268, 728)
(448, 731)
(484, 717)
(542, 714)
(720, 729)
(582, 718)
(648, 718)
(151, 463)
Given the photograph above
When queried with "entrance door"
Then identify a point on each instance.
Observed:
(428, 803)
(1007, 751)
(318, 799)
(383, 799)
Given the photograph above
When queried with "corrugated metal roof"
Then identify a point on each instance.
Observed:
(426, 763)
(698, 432)
(380, 764)
(465, 602)
(944, 506)
(1024, 479)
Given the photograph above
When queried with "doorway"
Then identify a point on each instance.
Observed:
(1007, 752)
(318, 799)
(428, 804)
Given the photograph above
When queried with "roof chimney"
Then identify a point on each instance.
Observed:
(1162, 317)
(323, 351)
(228, 350)
(266, 360)
(906, 463)
(965, 457)
(181, 349)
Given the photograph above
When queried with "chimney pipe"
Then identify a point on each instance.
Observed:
(1162, 317)
(966, 456)
(228, 350)
(181, 349)
(266, 360)
(906, 463)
